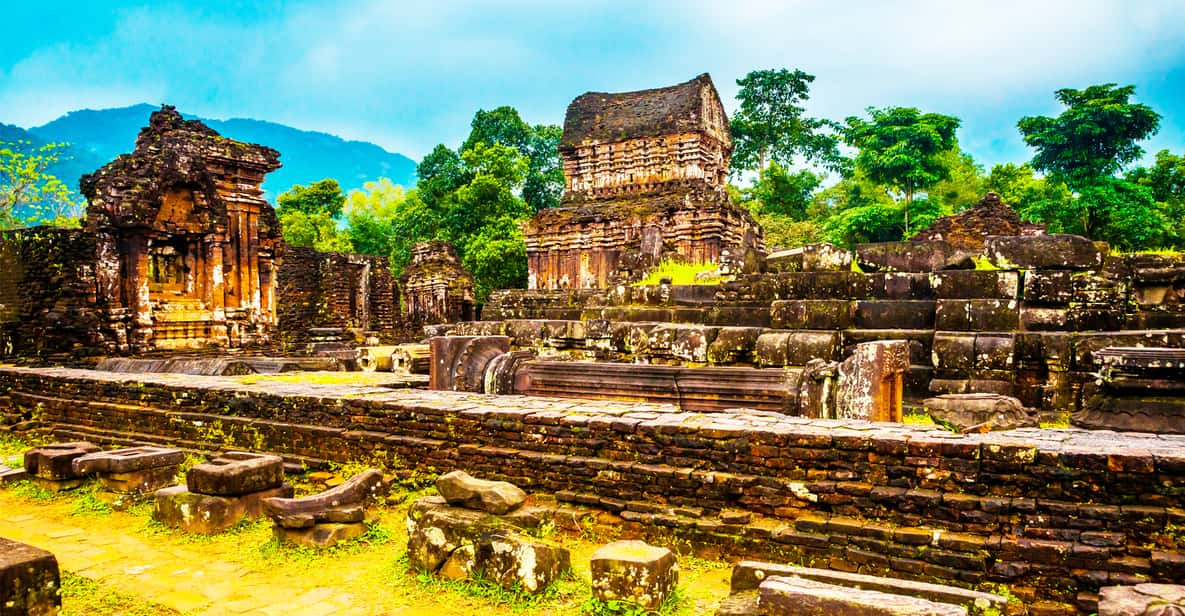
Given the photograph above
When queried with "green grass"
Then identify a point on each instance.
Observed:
(680, 274)
(83, 596)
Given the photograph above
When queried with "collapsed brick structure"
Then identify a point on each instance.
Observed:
(435, 288)
(645, 176)
(335, 290)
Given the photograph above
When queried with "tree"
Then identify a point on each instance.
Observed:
(777, 192)
(964, 186)
(903, 148)
(370, 214)
(28, 193)
(1166, 180)
(322, 196)
(1085, 147)
(544, 179)
(1034, 197)
(1094, 138)
(309, 216)
(770, 126)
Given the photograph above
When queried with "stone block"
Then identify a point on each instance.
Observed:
(206, 514)
(347, 499)
(128, 460)
(972, 386)
(462, 490)
(236, 472)
(55, 462)
(902, 285)
(1096, 317)
(459, 362)
(994, 351)
(953, 353)
(811, 314)
(990, 315)
(925, 256)
(1055, 252)
(1038, 319)
(29, 580)
(1142, 600)
(920, 341)
(514, 561)
(524, 332)
(1050, 350)
(322, 535)
(975, 284)
(141, 481)
(796, 348)
(871, 382)
(748, 575)
(1048, 287)
(686, 342)
(635, 573)
(810, 258)
(794, 596)
(894, 314)
(734, 345)
(976, 412)
(11, 475)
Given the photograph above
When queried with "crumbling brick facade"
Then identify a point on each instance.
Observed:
(332, 289)
(185, 240)
(646, 174)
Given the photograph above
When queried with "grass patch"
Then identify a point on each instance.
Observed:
(918, 419)
(83, 596)
(87, 502)
(32, 491)
(12, 446)
(564, 591)
(675, 604)
(681, 274)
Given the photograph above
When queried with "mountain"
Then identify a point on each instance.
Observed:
(98, 136)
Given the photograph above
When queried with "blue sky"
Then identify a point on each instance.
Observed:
(408, 75)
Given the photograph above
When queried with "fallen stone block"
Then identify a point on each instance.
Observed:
(323, 519)
(634, 572)
(133, 469)
(514, 561)
(922, 256)
(29, 580)
(462, 490)
(974, 412)
(1054, 251)
(794, 596)
(55, 462)
(11, 475)
(235, 473)
(748, 575)
(1142, 600)
(192, 512)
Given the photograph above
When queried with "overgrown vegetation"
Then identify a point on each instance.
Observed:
(680, 273)
(85, 597)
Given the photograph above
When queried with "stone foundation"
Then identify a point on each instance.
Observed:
(1053, 514)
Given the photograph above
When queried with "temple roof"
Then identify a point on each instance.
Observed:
(606, 117)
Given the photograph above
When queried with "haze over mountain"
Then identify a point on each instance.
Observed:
(98, 136)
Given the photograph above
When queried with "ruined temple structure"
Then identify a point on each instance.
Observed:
(435, 288)
(646, 174)
(185, 241)
(968, 230)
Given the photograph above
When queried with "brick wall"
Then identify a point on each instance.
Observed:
(1053, 514)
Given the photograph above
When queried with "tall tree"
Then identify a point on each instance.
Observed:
(539, 145)
(1095, 137)
(1085, 146)
(29, 194)
(1166, 181)
(903, 148)
(322, 196)
(770, 125)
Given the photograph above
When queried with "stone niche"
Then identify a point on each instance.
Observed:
(646, 181)
(186, 243)
(436, 289)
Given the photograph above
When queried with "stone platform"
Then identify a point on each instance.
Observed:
(1055, 514)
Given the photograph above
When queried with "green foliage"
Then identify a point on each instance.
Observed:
(322, 196)
(309, 216)
(29, 194)
(84, 596)
(675, 603)
(769, 125)
(371, 214)
(1166, 180)
(903, 148)
(680, 273)
(1095, 137)
(1084, 147)
(778, 192)
(87, 502)
(963, 188)
(543, 181)
(1034, 197)
(496, 255)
